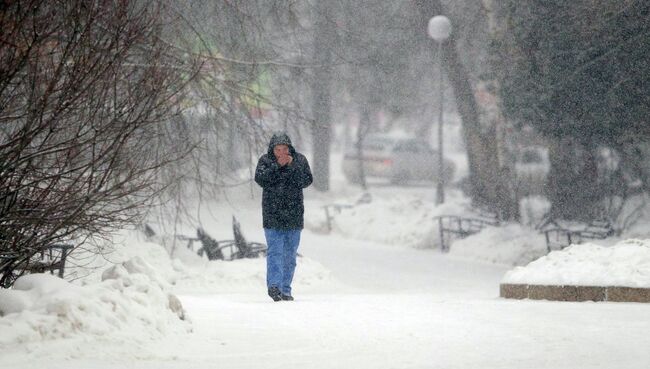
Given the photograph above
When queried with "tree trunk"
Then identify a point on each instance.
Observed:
(489, 91)
(488, 181)
(573, 186)
(321, 109)
(362, 130)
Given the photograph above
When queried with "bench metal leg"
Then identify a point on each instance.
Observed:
(64, 255)
(441, 231)
(329, 219)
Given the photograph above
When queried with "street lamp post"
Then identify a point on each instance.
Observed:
(439, 29)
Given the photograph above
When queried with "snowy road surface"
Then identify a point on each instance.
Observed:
(393, 308)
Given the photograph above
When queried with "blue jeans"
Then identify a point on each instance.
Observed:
(281, 257)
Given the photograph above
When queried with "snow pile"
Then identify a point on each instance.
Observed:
(512, 244)
(131, 303)
(246, 275)
(399, 219)
(409, 220)
(184, 271)
(87, 266)
(626, 264)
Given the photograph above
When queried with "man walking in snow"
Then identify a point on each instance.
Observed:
(282, 173)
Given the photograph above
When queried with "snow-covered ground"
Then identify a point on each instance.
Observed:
(374, 293)
(359, 304)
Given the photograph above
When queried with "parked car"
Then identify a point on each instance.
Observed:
(399, 159)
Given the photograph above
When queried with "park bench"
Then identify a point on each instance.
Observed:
(558, 236)
(246, 249)
(452, 227)
(331, 210)
(209, 246)
(47, 259)
(237, 248)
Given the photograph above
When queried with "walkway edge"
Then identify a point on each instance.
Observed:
(574, 293)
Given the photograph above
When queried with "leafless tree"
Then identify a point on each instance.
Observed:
(87, 88)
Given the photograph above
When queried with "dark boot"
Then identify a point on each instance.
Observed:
(287, 297)
(275, 293)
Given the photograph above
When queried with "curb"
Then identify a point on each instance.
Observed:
(574, 293)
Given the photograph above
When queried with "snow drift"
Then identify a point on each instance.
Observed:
(402, 220)
(626, 264)
(131, 301)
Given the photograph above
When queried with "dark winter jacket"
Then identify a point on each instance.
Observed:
(282, 199)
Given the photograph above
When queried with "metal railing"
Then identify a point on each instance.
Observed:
(452, 226)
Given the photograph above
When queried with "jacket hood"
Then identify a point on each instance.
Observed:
(281, 138)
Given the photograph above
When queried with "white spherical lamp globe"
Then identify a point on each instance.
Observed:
(439, 28)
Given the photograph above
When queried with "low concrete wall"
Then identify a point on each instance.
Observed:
(574, 293)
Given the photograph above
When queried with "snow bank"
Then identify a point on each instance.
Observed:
(512, 244)
(131, 303)
(626, 264)
(400, 219)
(171, 263)
(87, 266)
(408, 220)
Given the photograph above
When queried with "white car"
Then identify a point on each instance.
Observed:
(399, 159)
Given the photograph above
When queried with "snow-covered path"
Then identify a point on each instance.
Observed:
(377, 268)
(411, 331)
(408, 309)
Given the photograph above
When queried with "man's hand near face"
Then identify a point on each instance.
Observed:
(281, 153)
(285, 160)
